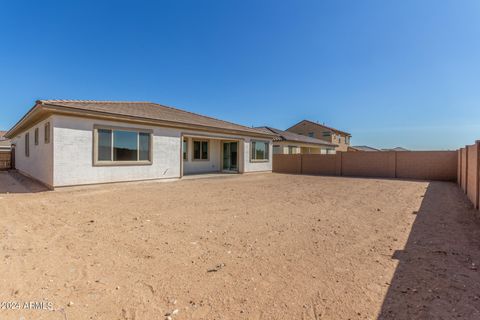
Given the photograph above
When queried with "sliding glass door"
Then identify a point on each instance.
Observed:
(230, 156)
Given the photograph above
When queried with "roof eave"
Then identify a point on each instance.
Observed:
(97, 114)
(12, 132)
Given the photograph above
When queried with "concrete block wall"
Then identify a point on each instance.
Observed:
(367, 164)
(325, 165)
(287, 163)
(421, 165)
(469, 172)
(427, 165)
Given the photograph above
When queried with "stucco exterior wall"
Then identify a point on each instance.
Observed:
(256, 166)
(73, 154)
(39, 164)
(213, 164)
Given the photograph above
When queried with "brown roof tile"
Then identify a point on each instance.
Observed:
(326, 127)
(290, 136)
(148, 110)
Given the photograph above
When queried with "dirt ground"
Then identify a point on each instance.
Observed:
(266, 246)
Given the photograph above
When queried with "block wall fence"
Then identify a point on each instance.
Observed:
(469, 173)
(417, 165)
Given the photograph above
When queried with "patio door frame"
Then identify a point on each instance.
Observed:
(222, 143)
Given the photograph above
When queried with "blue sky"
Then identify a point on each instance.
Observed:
(393, 73)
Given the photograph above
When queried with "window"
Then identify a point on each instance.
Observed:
(122, 146)
(326, 134)
(292, 150)
(104, 145)
(277, 149)
(311, 134)
(200, 150)
(47, 132)
(185, 149)
(35, 136)
(260, 151)
(27, 144)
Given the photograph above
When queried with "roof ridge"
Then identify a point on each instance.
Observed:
(324, 125)
(91, 101)
(53, 101)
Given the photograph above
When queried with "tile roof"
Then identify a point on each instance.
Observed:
(322, 125)
(396, 149)
(148, 110)
(364, 148)
(290, 136)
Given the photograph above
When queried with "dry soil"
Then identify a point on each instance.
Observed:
(266, 246)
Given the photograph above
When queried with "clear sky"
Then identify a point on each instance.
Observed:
(393, 73)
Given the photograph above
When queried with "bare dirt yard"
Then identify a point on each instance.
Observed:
(266, 246)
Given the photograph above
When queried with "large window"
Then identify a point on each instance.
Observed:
(260, 151)
(122, 146)
(200, 150)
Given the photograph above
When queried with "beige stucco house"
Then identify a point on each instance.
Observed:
(75, 142)
(291, 143)
(319, 131)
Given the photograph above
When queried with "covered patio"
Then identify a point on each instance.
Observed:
(212, 154)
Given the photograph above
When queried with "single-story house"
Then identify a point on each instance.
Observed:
(76, 142)
(287, 142)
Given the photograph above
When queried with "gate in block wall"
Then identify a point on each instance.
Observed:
(6, 160)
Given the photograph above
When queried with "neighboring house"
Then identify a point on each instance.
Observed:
(5, 144)
(398, 149)
(65, 142)
(362, 149)
(319, 131)
(292, 143)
